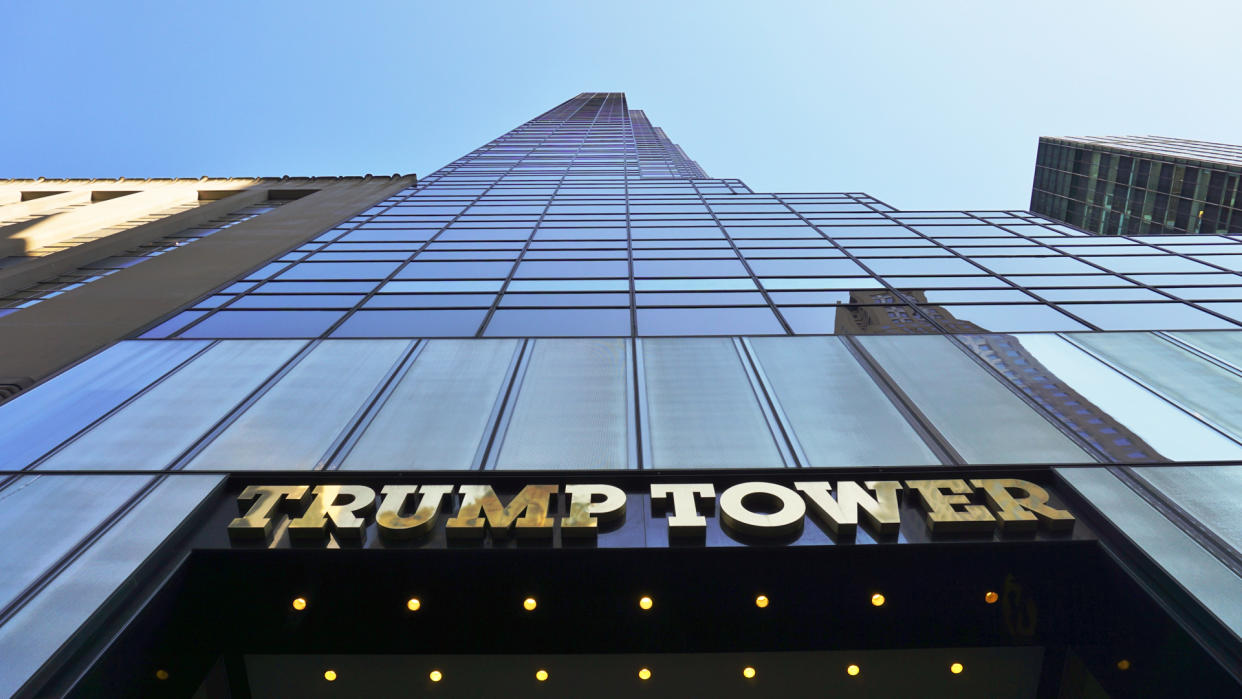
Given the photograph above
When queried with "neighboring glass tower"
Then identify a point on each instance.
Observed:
(576, 305)
(1139, 185)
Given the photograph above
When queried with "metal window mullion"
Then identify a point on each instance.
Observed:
(345, 440)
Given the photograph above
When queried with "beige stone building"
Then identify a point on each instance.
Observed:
(85, 262)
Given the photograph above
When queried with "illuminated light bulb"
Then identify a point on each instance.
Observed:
(541, 675)
(435, 676)
(299, 603)
(748, 672)
(414, 604)
(329, 675)
(644, 673)
(956, 668)
(645, 602)
(990, 597)
(877, 600)
(529, 604)
(161, 674)
(1123, 664)
(852, 670)
(761, 601)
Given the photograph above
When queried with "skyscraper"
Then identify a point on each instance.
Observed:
(1139, 185)
(569, 411)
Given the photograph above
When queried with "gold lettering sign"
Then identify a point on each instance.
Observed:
(1022, 514)
(346, 518)
(393, 525)
(943, 514)
(256, 523)
(749, 509)
(479, 504)
(684, 519)
(586, 512)
(785, 520)
(841, 515)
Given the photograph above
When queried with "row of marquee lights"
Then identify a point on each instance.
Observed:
(645, 603)
(644, 673)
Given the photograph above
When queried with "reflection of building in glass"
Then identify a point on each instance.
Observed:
(1139, 185)
(1006, 354)
(878, 312)
(881, 312)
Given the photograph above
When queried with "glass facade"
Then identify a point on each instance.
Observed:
(586, 221)
(579, 296)
(1139, 185)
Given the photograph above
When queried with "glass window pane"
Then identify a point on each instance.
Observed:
(1001, 318)
(42, 626)
(1099, 295)
(291, 425)
(702, 410)
(314, 288)
(1220, 344)
(700, 298)
(430, 301)
(1123, 419)
(1210, 392)
(297, 301)
(242, 324)
(571, 411)
(339, 270)
(981, 419)
(689, 268)
(455, 270)
(418, 287)
(750, 320)
(804, 268)
(436, 415)
(433, 323)
(572, 322)
(32, 499)
(573, 268)
(1174, 551)
(1145, 316)
(162, 423)
(1233, 310)
(569, 285)
(816, 320)
(1207, 493)
(40, 419)
(598, 299)
(838, 414)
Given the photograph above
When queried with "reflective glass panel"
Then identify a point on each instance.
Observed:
(291, 426)
(837, 412)
(431, 323)
(980, 418)
(43, 417)
(1120, 417)
(1212, 393)
(144, 433)
(702, 411)
(437, 413)
(571, 410)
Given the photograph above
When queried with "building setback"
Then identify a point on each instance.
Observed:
(1139, 185)
(569, 415)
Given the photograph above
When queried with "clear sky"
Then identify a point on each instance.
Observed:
(923, 104)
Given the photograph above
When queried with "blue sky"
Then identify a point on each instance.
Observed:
(922, 104)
